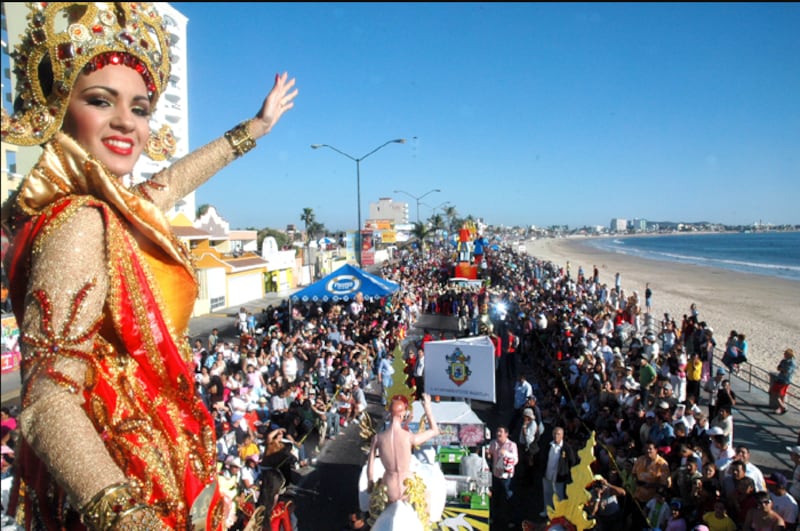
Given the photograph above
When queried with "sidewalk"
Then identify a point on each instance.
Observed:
(224, 320)
(766, 435)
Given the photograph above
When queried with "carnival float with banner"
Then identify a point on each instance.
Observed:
(452, 485)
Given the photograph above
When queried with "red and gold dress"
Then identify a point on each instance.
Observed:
(103, 292)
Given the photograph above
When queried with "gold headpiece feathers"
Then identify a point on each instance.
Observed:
(65, 38)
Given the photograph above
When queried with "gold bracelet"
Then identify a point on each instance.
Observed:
(139, 518)
(240, 139)
(104, 509)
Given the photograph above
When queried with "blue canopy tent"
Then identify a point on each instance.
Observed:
(343, 285)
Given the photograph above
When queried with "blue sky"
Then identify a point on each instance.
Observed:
(523, 113)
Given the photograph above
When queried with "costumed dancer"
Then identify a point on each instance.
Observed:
(398, 498)
(113, 434)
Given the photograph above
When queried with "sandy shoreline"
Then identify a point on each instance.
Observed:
(765, 309)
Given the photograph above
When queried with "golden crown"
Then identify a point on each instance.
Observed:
(64, 39)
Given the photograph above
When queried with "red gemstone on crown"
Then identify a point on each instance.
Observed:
(65, 51)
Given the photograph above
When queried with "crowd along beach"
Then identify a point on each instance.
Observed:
(765, 306)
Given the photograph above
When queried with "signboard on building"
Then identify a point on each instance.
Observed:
(367, 248)
(389, 236)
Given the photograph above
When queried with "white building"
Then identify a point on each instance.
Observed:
(387, 209)
(173, 106)
(618, 225)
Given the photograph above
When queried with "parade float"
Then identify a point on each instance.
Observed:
(454, 490)
(467, 261)
(452, 466)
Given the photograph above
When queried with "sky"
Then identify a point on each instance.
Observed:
(520, 113)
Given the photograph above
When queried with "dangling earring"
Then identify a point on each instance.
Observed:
(161, 145)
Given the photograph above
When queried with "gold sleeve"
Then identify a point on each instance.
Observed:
(187, 174)
(63, 310)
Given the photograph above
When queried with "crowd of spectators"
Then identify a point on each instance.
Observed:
(663, 414)
(588, 356)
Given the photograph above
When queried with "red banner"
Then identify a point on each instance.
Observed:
(10, 356)
(367, 248)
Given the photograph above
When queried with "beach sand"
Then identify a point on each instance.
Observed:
(765, 309)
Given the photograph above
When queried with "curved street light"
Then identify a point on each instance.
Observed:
(417, 198)
(358, 183)
(437, 207)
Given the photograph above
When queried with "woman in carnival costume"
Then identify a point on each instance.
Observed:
(114, 436)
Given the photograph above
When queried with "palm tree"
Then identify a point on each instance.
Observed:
(309, 218)
(421, 232)
(451, 214)
(437, 223)
(314, 229)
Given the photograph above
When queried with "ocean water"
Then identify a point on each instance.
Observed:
(775, 254)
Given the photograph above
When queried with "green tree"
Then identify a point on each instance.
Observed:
(315, 230)
(202, 209)
(281, 238)
(309, 218)
(451, 214)
(437, 223)
(421, 232)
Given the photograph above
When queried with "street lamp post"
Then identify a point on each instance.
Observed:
(437, 207)
(358, 183)
(417, 198)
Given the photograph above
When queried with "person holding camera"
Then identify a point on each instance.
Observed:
(605, 504)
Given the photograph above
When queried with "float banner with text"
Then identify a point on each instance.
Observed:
(460, 368)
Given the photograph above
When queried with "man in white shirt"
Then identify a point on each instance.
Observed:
(721, 451)
(751, 470)
(606, 351)
(783, 503)
(357, 306)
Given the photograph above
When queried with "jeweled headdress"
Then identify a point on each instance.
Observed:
(63, 39)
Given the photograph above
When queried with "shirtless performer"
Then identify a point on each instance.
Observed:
(394, 447)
